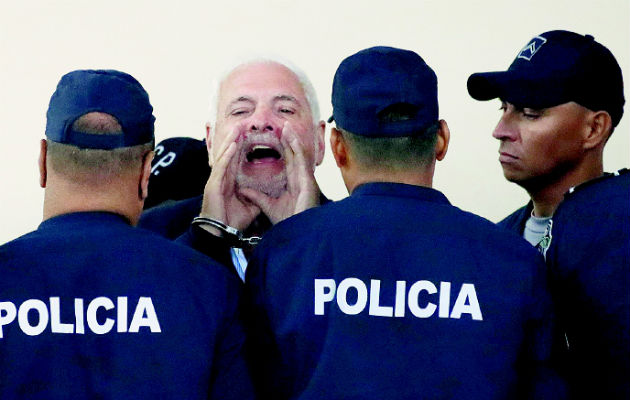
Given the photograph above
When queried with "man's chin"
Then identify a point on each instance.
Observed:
(273, 185)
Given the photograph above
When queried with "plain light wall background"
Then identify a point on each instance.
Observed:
(175, 50)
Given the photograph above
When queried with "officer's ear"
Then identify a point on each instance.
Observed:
(320, 135)
(443, 138)
(339, 148)
(598, 129)
(43, 172)
(145, 174)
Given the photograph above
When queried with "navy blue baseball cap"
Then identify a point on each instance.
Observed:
(108, 91)
(554, 68)
(179, 170)
(371, 81)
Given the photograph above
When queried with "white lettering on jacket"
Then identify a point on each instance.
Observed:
(466, 302)
(41, 314)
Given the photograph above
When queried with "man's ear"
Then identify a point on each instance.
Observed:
(145, 174)
(443, 138)
(598, 129)
(209, 142)
(43, 172)
(338, 148)
(320, 137)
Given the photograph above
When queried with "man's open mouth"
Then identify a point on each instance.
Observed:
(262, 153)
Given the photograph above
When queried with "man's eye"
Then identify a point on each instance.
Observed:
(531, 114)
(238, 112)
(286, 111)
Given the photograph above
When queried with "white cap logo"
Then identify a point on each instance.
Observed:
(531, 48)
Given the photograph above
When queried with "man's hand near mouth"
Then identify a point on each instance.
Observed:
(302, 191)
(220, 199)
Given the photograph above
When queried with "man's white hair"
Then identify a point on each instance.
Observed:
(307, 86)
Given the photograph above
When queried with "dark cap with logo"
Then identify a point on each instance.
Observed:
(108, 91)
(369, 83)
(179, 170)
(554, 68)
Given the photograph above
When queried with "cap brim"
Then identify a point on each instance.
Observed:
(522, 90)
(488, 85)
(331, 119)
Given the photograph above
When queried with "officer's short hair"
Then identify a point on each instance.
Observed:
(394, 153)
(90, 164)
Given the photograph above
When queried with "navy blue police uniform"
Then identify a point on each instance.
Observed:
(430, 309)
(393, 293)
(589, 263)
(588, 233)
(93, 308)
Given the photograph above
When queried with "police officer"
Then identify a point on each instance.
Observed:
(562, 97)
(589, 262)
(393, 293)
(91, 307)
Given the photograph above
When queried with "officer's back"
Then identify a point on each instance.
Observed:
(394, 293)
(91, 307)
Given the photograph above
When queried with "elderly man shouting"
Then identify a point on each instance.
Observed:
(264, 140)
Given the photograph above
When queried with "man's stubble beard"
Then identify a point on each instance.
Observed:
(273, 186)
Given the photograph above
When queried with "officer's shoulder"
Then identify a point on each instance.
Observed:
(171, 209)
(306, 220)
(490, 232)
(171, 219)
(599, 191)
(19, 243)
(515, 220)
(168, 248)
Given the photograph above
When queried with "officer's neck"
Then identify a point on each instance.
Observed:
(548, 192)
(63, 197)
(356, 177)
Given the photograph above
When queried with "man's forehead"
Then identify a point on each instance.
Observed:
(562, 107)
(266, 80)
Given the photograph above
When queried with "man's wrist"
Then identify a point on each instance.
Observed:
(211, 230)
(231, 235)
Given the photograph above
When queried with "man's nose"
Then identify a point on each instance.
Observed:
(262, 121)
(506, 129)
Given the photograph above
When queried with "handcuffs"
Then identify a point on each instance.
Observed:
(232, 235)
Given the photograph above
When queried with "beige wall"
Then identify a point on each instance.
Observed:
(176, 50)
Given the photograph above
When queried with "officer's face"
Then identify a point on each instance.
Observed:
(540, 145)
(257, 99)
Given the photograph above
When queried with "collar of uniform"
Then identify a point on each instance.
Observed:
(82, 218)
(400, 190)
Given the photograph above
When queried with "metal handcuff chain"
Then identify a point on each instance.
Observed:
(230, 233)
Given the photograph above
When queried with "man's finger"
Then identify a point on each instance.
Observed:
(288, 155)
(223, 162)
(232, 137)
(299, 160)
(299, 173)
